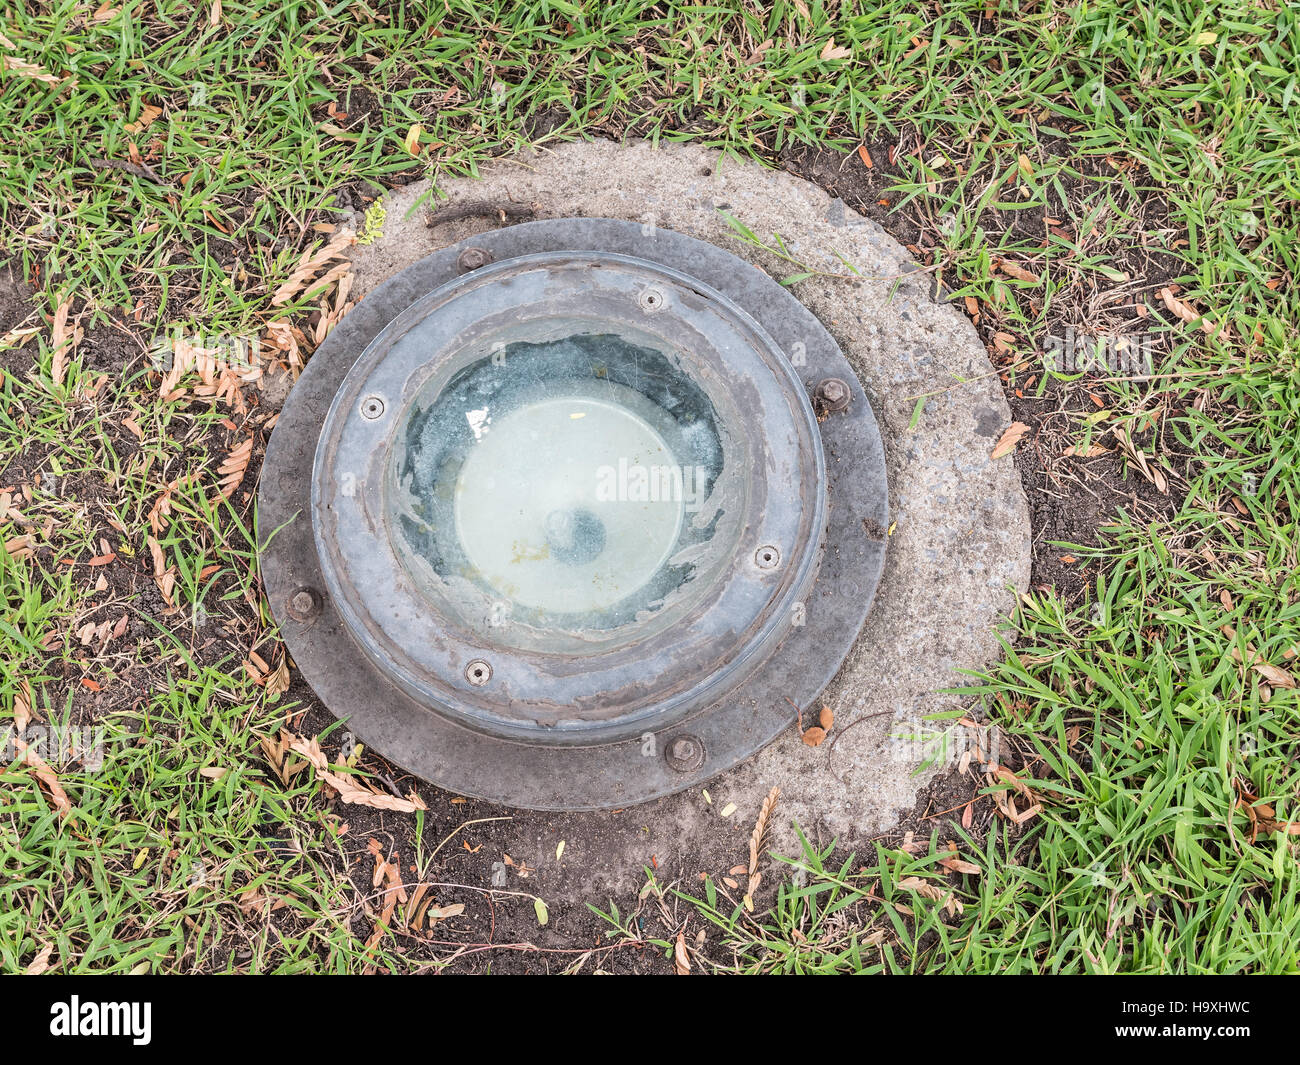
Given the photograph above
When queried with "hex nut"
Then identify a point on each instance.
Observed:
(304, 604)
(833, 395)
(685, 753)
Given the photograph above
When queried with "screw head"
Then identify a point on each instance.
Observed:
(651, 300)
(304, 604)
(767, 557)
(473, 258)
(833, 394)
(685, 753)
(371, 408)
(478, 672)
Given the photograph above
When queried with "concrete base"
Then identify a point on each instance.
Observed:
(960, 542)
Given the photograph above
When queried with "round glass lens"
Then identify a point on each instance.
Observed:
(568, 493)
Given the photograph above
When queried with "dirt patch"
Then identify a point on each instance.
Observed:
(867, 190)
(494, 860)
(17, 311)
(1070, 498)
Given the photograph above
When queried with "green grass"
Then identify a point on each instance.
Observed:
(1164, 137)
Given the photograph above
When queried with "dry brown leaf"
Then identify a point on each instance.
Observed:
(330, 316)
(814, 737)
(282, 337)
(162, 507)
(387, 873)
(62, 341)
(922, 887)
(384, 869)
(40, 963)
(30, 70)
(147, 116)
(164, 576)
(311, 263)
(278, 681)
(681, 958)
(1018, 272)
(18, 336)
(429, 913)
(826, 718)
(23, 706)
(218, 379)
(348, 789)
(414, 914)
(1151, 472)
(1009, 439)
(1291, 828)
(756, 841)
(46, 776)
(1187, 313)
(277, 754)
(830, 51)
(231, 471)
(1275, 675)
(1003, 773)
(19, 547)
(1002, 342)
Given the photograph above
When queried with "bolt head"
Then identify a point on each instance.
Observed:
(833, 393)
(304, 604)
(651, 300)
(685, 753)
(473, 259)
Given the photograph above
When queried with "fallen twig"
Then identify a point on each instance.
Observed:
(502, 211)
(140, 170)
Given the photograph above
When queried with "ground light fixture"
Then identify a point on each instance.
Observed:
(574, 514)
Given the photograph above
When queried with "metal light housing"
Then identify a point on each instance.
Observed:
(573, 515)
